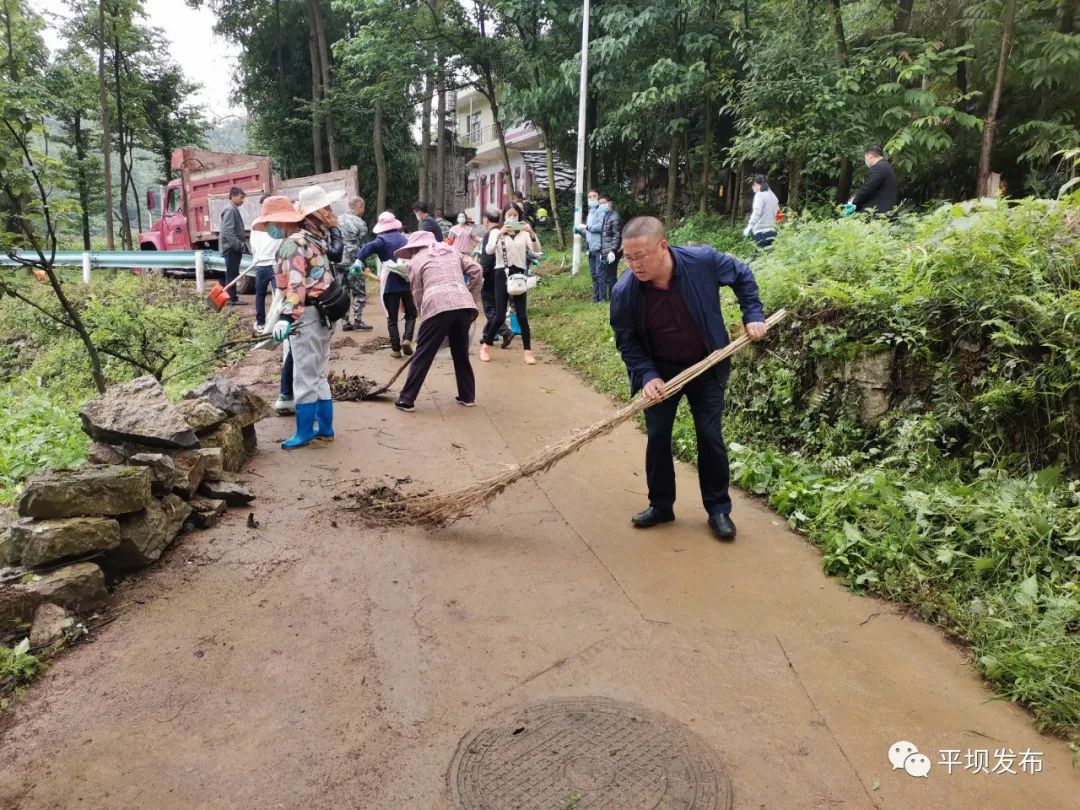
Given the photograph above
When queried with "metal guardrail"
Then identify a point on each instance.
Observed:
(124, 259)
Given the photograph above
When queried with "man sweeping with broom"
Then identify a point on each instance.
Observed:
(666, 317)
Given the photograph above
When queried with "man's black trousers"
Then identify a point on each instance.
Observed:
(706, 397)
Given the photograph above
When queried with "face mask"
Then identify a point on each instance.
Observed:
(593, 203)
(274, 231)
(604, 207)
(461, 219)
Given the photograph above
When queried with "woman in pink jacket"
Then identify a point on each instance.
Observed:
(446, 289)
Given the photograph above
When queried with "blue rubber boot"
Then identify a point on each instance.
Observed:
(305, 426)
(324, 415)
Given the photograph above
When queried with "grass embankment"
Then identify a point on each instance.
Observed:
(45, 374)
(962, 500)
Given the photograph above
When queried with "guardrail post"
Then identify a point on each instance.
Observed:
(86, 267)
(200, 271)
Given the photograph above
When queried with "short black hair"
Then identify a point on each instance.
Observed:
(493, 215)
(641, 227)
(510, 208)
(603, 197)
(420, 206)
(264, 198)
(875, 149)
(236, 191)
(762, 181)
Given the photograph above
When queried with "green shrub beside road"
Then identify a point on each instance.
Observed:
(44, 375)
(961, 500)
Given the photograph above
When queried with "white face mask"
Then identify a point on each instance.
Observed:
(461, 219)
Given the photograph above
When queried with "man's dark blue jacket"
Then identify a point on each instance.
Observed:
(701, 272)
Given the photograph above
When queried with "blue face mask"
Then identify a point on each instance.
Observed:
(274, 231)
(592, 203)
(605, 207)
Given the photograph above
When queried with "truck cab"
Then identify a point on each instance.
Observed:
(170, 232)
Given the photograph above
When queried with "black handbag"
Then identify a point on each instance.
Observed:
(333, 302)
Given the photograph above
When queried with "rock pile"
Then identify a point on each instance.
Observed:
(155, 468)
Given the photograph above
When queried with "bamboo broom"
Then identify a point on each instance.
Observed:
(437, 509)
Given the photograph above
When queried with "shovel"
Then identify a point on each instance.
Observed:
(219, 295)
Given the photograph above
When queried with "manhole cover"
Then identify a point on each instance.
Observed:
(586, 753)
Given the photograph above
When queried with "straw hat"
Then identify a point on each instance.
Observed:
(387, 222)
(312, 198)
(417, 241)
(276, 209)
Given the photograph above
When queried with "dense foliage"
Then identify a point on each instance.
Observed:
(140, 324)
(962, 499)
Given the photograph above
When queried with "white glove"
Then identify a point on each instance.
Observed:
(747, 231)
(611, 257)
(281, 330)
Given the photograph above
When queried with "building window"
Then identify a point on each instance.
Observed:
(472, 125)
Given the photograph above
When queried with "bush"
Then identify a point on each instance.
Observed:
(156, 323)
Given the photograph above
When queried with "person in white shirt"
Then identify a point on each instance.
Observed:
(762, 225)
(263, 248)
(510, 245)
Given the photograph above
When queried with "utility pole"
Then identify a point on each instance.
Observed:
(579, 180)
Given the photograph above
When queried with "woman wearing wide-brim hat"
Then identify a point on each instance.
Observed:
(448, 306)
(393, 288)
(304, 275)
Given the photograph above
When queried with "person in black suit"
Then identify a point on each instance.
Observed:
(879, 192)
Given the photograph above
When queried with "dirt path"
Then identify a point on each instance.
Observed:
(302, 665)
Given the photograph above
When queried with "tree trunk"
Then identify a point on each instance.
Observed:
(106, 136)
(553, 201)
(901, 20)
(134, 188)
(490, 93)
(82, 179)
(839, 40)
(794, 182)
(706, 157)
(1067, 17)
(990, 122)
(324, 75)
(843, 185)
(286, 159)
(425, 139)
(316, 104)
(440, 142)
(13, 66)
(121, 144)
(380, 156)
(672, 180)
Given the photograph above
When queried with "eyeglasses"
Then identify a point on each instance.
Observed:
(637, 257)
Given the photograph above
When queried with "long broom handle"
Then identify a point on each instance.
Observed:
(672, 387)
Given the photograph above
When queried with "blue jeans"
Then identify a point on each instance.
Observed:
(599, 283)
(264, 276)
(706, 396)
(286, 390)
(764, 239)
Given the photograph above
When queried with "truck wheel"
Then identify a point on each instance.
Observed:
(246, 285)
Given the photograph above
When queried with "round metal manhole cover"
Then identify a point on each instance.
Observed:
(586, 754)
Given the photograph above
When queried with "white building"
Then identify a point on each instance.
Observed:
(486, 183)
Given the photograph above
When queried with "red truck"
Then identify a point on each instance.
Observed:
(191, 216)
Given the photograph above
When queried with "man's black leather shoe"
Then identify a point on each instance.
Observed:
(722, 527)
(651, 517)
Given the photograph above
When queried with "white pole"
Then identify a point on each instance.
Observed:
(200, 272)
(86, 267)
(579, 182)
